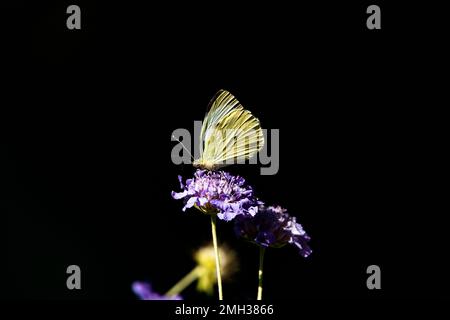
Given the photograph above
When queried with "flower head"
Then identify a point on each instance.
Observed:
(144, 291)
(206, 262)
(273, 227)
(218, 192)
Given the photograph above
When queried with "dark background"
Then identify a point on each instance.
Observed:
(87, 172)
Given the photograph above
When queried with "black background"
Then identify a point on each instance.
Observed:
(88, 173)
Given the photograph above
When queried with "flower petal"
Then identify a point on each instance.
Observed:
(179, 195)
(190, 203)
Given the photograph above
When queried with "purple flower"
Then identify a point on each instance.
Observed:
(144, 291)
(273, 227)
(218, 192)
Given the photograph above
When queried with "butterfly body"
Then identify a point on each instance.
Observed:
(229, 134)
(199, 163)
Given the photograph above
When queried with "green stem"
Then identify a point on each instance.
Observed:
(260, 272)
(216, 252)
(185, 281)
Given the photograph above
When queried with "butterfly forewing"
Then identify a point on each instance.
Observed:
(230, 134)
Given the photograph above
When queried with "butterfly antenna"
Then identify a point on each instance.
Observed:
(184, 147)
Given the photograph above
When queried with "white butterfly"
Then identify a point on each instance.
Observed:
(229, 134)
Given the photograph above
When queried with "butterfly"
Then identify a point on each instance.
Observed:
(229, 134)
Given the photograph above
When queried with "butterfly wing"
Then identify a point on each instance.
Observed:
(230, 133)
(219, 107)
